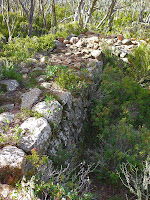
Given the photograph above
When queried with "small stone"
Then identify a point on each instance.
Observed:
(8, 106)
(97, 54)
(120, 37)
(35, 133)
(125, 59)
(123, 54)
(110, 41)
(29, 98)
(74, 40)
(66, 42)
(126, 42)
(41, 65)
(11, 84)
(41, 78)
(6, 117)
(25, 70)
(51, 110)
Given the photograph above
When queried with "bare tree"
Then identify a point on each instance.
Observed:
(29, 8)
(137, 183)
(53, 18)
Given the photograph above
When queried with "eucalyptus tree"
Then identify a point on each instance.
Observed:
(84, 11)
(29, 9)
(9, 6)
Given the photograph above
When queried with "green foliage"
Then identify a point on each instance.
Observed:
(65, 29)
(63, 182)
(12, 138)
(9, 71)
(51, 71)
(71, 80)
(140, 62)
(19, 48)
(26, 113)
(121, 119)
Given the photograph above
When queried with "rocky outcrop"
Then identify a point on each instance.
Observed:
(29, 98)
(11, 85)
(61, 119)
(36, 133)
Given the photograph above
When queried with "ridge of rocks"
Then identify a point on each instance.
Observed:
(64, 114)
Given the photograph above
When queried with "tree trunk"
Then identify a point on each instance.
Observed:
(90, 11)
(53, 19)
(108, 15)
(30, 19)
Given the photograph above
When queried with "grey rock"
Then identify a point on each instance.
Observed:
(66, 42)
(59, 44)
(29, 98)
(41, 78)
(70, 36)
(35, 133)
(110, 41)
(81, 43)
(52, 111)
(74, 40)
(97, 54)
(125, 59)
(7, 106)
(126, 42)
(123, 54)
(41, 65)
(11, 84)
(11, 156)
(24, 70)
(46, 85)
(6, 118)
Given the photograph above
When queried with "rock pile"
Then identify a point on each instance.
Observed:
(61, 119)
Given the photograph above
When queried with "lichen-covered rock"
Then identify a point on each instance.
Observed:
(6, 118)
(11, 159)
(7, 107)
(97, 54)
(11, 85)
(126, 42)
(74, 40)
(52, 111)
(29, 98)
(35, 133)
(82, 43)
(11, 156)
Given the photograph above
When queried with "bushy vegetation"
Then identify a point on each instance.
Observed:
(21, 48)
(67, 182)
(120, 119)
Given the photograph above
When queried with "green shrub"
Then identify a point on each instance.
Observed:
(9, 71)
(19, 48)
(140, 62)
(71, 80)
(120, 120)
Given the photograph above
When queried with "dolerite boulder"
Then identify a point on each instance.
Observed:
(6, 118)
(97, 54)
(74, 40)
(52, 111)
(36, 133)
(11, 85)
(29, 98)
(11, 159)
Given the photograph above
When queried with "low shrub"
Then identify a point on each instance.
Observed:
(19, 48)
